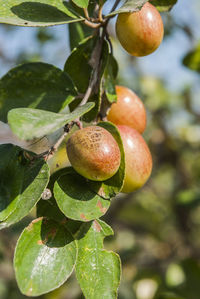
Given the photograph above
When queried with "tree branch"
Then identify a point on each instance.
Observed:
(115, 5)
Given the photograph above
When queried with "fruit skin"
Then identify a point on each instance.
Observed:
(128, 110)
(140, 33)
(138, 160)
(94, 153)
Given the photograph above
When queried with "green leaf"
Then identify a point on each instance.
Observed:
(78, 64)
(44, 257)
(49, 208)
(76, 199)
(110, 75)
(35, 85)
(97, 270)
(192, 59)
(21, 184)
(81, 3)
(28, 123)
(129, 6)
(163, 5)
(112, 186)
(77, 33)
(37, 12)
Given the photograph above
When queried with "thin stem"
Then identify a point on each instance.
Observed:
(79, 96)
(101, 20)
(97, 50)
(86, 13)
(49, 154)
(115, 5)
(91, 24)
(112, 9)
(109, 41)
(95, 62)
(87, 94)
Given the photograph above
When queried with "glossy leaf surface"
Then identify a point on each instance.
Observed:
(44, 258)
(97, 270)
(76, 199)
(21, 184)
(36, 12)
(35, 85)
(129, 6)
(29, 123)
(163, 5)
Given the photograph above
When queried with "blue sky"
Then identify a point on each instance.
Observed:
(165, 62)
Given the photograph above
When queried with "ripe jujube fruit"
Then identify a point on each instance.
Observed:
(128, 110)
(138, 160)
(140, 33)
(94, 153)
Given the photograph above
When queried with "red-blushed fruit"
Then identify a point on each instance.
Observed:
(138, 159)
(140, 33)
(128, 110)
(94, 153)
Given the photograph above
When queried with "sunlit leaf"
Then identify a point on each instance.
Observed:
(29, 123)
(129, 6)
(76, 199)
(164, 5)
(37, 12)
(44, 258)
(35, 85)
(97, 270)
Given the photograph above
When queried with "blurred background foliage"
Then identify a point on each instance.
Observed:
(156, 228)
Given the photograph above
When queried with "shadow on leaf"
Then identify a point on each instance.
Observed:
(75, 186)
(54, 234)
(18, 178)
(39, 12)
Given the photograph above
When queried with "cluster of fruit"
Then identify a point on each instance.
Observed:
(94, 153)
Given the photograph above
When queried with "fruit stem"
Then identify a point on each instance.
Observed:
(86, 14)
(91, 24)
(101, 20)
(115, 5)
(95, 63)
(49, 154)
(109, 41)
(96, 55)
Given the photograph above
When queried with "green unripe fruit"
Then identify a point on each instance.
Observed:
(59, 159)
(94, 153)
